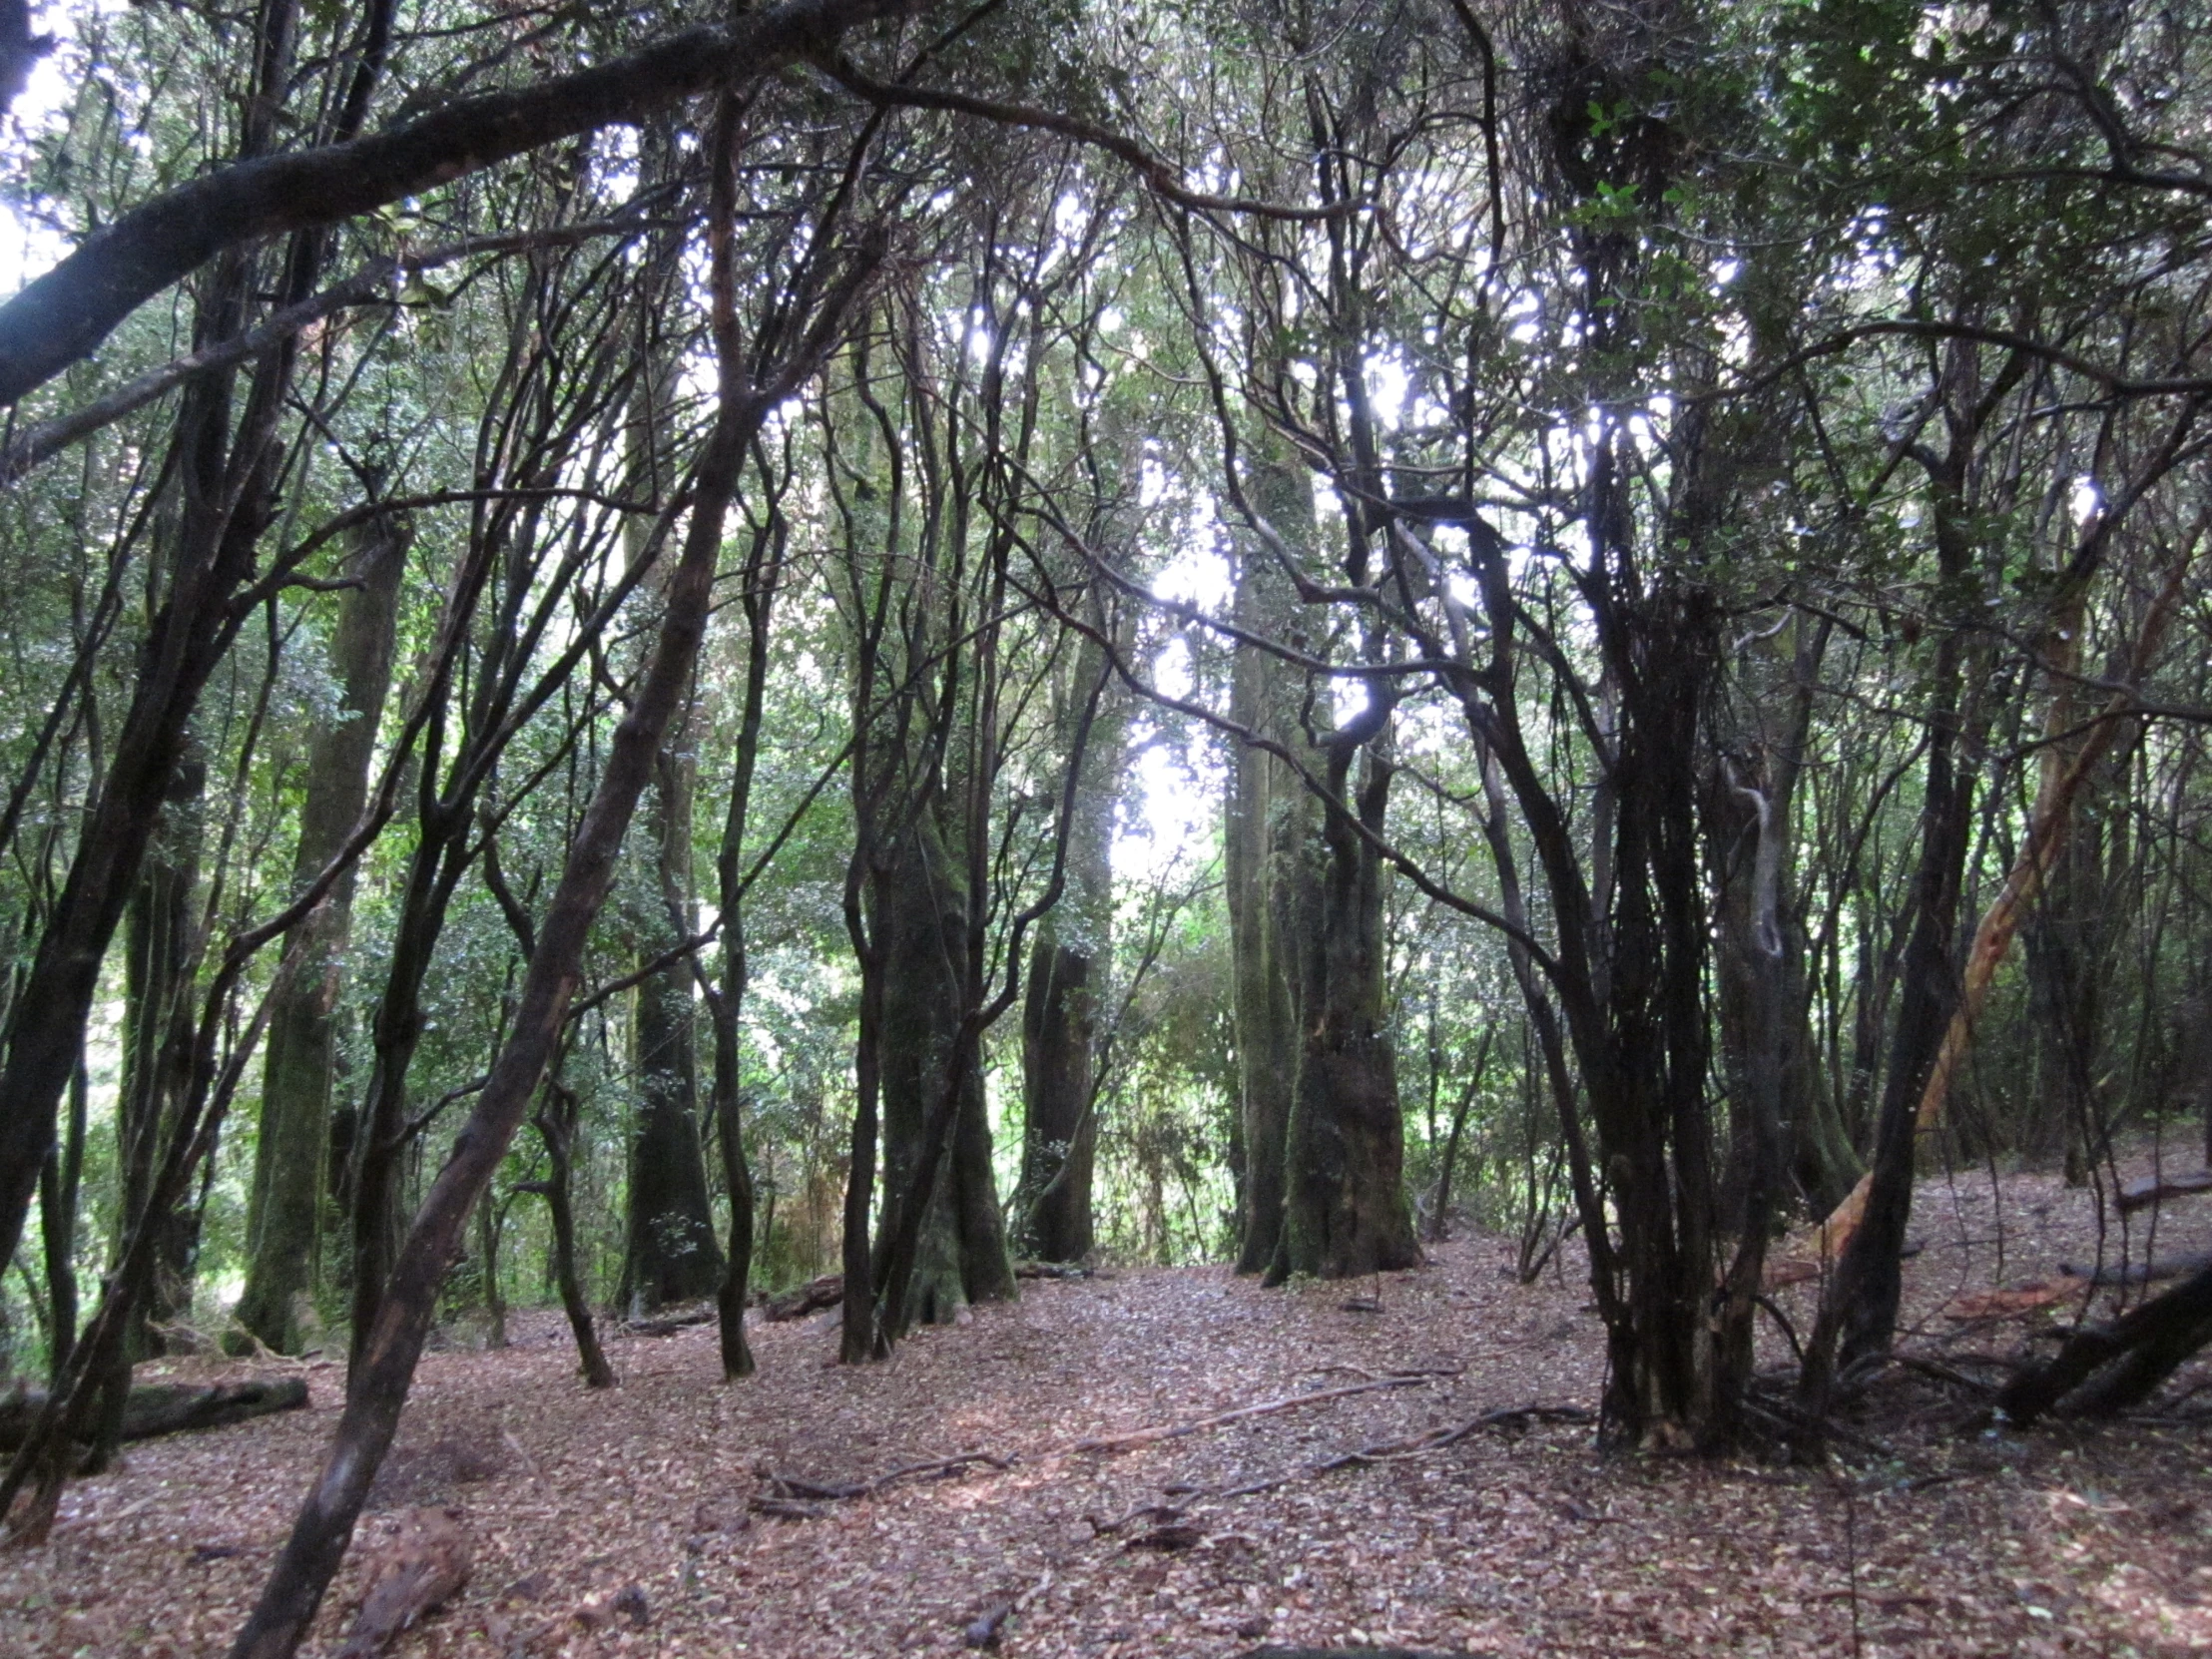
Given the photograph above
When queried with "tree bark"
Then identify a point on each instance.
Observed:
(1344, 1206)
(1068, 970)
(960, 1256)
(672, 1254)
(2105, 1369)
(1265, 853)
(726, 1001)
(284, 1225)
(555, 1122)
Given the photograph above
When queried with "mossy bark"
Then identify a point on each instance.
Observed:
(1267, 840)
(921, 923)
(283, 1218)
(1344, 1210)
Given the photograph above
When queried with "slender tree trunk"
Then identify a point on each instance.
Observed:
(378, 1386)
(60, 1184)
(725, 1002)
(556, 1125)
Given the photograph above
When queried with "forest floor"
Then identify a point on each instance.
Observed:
(1517, 1538)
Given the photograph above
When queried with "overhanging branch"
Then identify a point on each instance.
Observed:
(66, 314)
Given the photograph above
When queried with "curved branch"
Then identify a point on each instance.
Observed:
(64, 314)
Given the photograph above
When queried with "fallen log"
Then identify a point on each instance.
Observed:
(809, 1297)
(2145, 1190)
(169, 1408)
(2104, 1368)
(670, 1324)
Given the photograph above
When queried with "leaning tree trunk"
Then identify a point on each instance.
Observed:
(1859, 1310)
(2104, 1368)
(283, 1224)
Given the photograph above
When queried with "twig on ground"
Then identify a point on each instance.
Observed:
(1178, 1430)
(787, 1493)
(1389, 1451)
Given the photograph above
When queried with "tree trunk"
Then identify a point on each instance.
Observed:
(1266, 845)
(1068, 970)
(556, 1126)
(1060, 1133)
(59, 1185)
(161, 953)
(282, 1225)
(1344, 1209)
(672, 1254)
(960, 1256)
(726, 1001)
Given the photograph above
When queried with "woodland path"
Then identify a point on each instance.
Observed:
(1513, 1540)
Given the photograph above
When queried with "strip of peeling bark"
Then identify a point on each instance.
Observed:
(2046, 838)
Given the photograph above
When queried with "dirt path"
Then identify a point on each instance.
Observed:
(1513, 1540)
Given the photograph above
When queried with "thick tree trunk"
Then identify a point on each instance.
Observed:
(282, 1224)
(960, 1255)
(672, 1254)
(1268, 848)
(1068, 970)
(1344, 1209)
(1060, 1134)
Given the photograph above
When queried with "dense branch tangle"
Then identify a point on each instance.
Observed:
(1554, 552)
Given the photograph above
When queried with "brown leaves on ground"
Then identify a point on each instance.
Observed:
(621, 1524)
